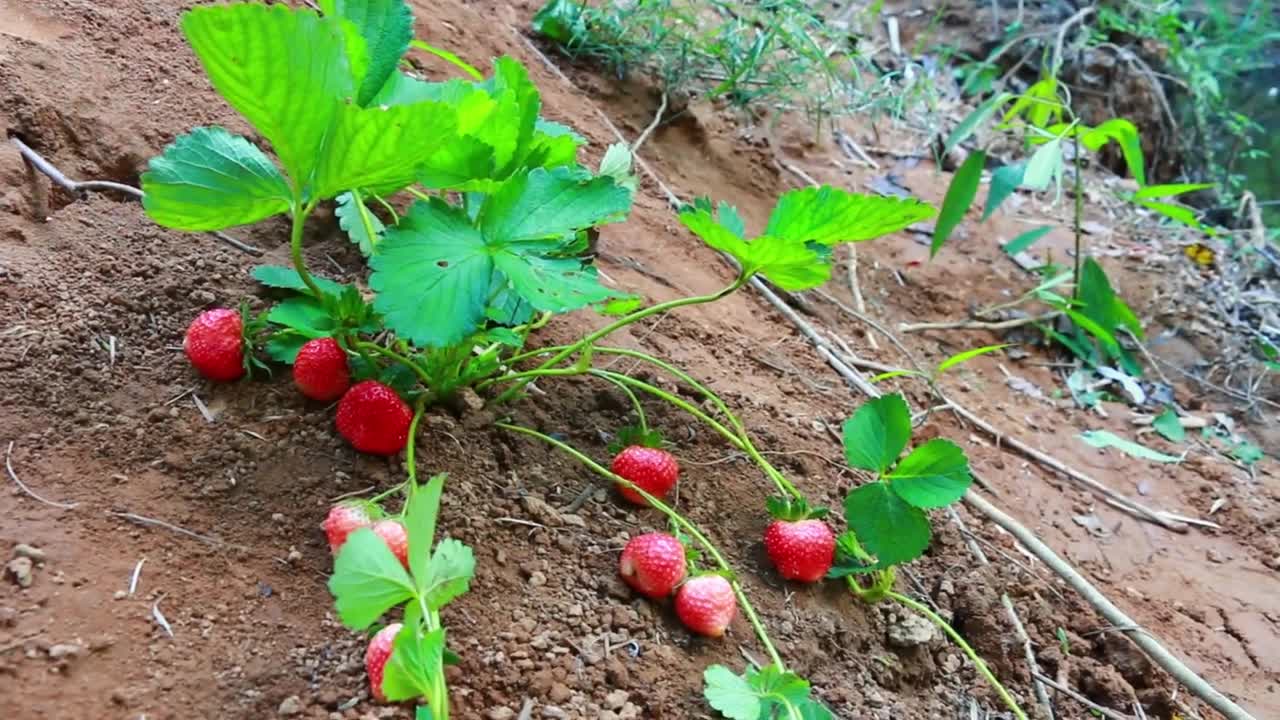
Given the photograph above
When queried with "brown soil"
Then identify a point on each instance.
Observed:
(98, 87)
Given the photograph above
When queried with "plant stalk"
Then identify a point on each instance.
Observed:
(965, 647)
(299, 218)
(587, 341)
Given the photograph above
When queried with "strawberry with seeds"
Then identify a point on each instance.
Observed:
(214, 344)
(343, 520)
(396, 537)
(320, 370)
(706, 605)
(798, 542)
(653, 564)
(644, 463)
(373, 418)
(375, 658)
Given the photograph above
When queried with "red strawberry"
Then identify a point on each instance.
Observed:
(320, 370)
(653, 564)
(651, 469)
(396, 538)
(706, 605)
(375, 658)
(342, 521)
(802, 549)
(215, 344)
(374, 419)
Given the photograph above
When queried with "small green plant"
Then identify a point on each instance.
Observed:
(935, 374)
(369, 582)
(778, 55)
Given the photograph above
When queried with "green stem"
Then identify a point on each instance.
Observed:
(621, 323)
(676, 518)
(295, 249)
(418, 194)
(965, 647)
(635, 402)
(410, 463)
(392, 354)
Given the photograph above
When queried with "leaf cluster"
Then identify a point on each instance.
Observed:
(887, 517)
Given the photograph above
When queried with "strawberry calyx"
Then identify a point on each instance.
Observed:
(252, 327)
(633, 436)
(793, 509)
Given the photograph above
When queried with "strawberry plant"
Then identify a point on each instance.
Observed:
(455, 284)
(888, 518)
(404, 567)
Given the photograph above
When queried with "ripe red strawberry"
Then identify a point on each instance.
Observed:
(652, 469)
(342, 521)
(706, 605)
(375, 658)
(320, 370)
(214, 344)
(801, 549)
(396, 538)
(653, 564)
(374, 419)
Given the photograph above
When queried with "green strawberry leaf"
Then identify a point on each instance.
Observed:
(416, 659)
(286, 71)
(703, 224)
(423, 712)
(367, 580)
(876, 434)
(851, 559)
(358, 222)
(934, 475)
(432, 275)
(381, 148)
(421, 511)
(510, 130)
(304, 315)
(541, 204)
(287, 278)
(210, 179)
(789, 264)
(449, 573)
(828, 216)
(387, 28)
(283, 346)
(730, 694)
(888, 527)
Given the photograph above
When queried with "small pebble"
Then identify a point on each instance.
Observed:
(29, 551)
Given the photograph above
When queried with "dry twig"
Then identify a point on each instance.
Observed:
(8, 465)
(1141, 637)
(79, 188)
(978, 324)
(143, 520)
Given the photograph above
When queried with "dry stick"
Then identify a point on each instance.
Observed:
(8, 465)
(1143, 638)
(978, 324)
(1111, 496)
(856, 290)
(1105, 712)
(854, 151)
(143, 520)
(1021, 631)
(657, 120)
(79, 188)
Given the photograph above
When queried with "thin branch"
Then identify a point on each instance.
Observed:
(979, 324)
(8, 465)
(79, 188)
(855, 289)
(657, 120)
(143, 520)
(1143, 638)
(1018, 628)
(1104, 712)
(1112, 497)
